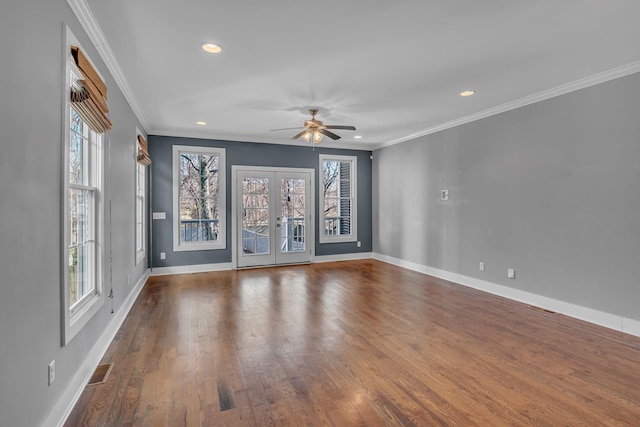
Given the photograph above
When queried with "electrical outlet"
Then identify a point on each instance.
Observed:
(359, 244)
(481, 266)
(444, 194)
(128, 280)
(511, 273)
(163, 255)
(52, 372)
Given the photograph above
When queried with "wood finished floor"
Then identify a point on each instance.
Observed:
(357, 343)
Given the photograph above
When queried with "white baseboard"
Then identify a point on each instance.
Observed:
(71, 394)
(631, 326)
(205, 268)
(608, 320)
(185, 269)
(342, 257)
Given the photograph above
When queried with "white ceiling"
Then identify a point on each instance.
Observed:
(392, 69)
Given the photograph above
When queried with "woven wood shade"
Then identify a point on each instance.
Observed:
(143, 151)
(89, 95)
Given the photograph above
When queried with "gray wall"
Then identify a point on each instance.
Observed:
(254, 154)
(31, 80)
(551, 189)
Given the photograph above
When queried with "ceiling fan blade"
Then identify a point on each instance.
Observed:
(300, 134)
(329, 134)
(340, 127)
(298, 127)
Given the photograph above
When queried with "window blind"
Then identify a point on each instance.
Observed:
(89, 94)
(143, 151)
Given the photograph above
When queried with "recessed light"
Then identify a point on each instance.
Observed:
(467, 93)
(211, 48)
(201, 123)
(357, 137)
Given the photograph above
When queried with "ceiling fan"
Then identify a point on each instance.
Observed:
(314, 130)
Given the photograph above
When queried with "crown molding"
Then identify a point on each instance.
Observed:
(82, 11)
(576, 85)
(343, 145)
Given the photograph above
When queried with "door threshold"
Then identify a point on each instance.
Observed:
(253, 267)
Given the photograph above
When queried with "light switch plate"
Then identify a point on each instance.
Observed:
(444, 194)
(52, 372)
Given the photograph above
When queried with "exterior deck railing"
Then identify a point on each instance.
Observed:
(198, 230)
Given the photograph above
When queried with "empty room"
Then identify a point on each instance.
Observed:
(418, 213)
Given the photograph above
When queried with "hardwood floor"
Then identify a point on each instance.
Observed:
(357, 343)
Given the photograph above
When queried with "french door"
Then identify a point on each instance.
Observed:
(273, 216)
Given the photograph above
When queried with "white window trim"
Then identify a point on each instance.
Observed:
(353, 237)
(74, 322)
(140, 253)
(222, 197)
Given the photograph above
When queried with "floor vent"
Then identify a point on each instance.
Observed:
(543, 310)
(100, 375)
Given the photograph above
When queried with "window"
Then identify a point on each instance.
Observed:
(198, 198)
(81, 219)
(140, 203)
(338, 199)
(82, 259)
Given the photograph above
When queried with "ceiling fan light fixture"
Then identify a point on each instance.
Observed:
(314, 130)
(313, 135)
(211, 47)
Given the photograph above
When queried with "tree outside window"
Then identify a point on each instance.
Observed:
(200, 198)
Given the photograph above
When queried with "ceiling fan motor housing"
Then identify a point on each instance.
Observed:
(312, 123)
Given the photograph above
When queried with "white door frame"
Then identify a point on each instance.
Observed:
(311, 236)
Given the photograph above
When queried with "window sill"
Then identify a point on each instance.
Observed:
(78, 320)
(199, 247)
(347, 239)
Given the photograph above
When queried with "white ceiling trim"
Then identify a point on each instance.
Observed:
(297, 142)
(83, 12)
(583, 83)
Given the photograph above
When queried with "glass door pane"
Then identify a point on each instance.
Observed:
(292, 199)
(293, 217)
(255, 216)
